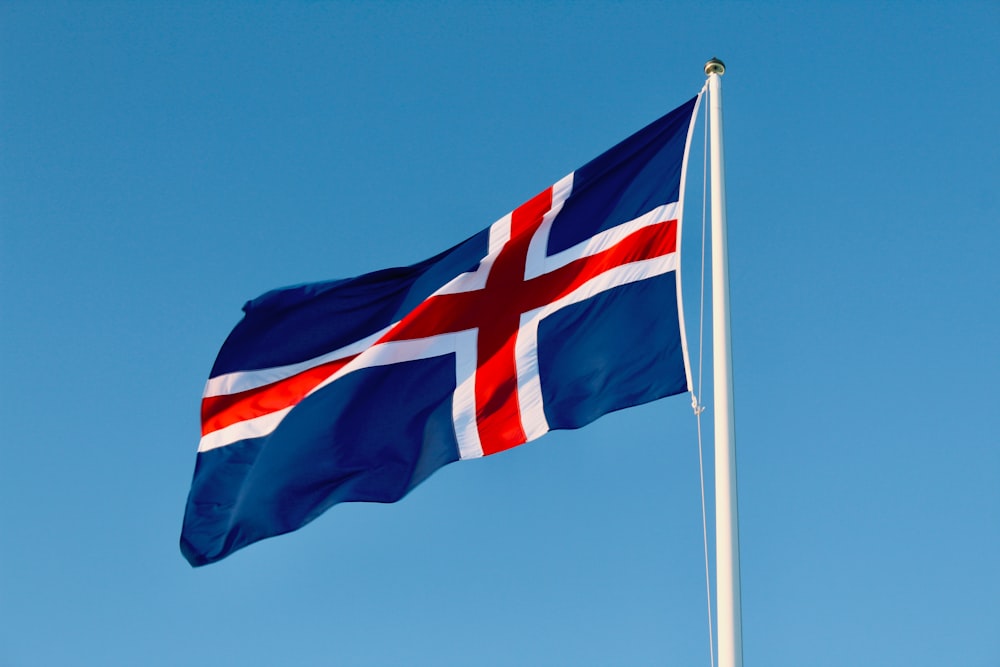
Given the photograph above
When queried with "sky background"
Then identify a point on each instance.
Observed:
(161, 163)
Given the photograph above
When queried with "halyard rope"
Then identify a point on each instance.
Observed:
(695, 399)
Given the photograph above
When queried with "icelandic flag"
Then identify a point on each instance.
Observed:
(563, 310)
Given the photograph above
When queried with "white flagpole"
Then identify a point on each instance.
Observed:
(727, 537)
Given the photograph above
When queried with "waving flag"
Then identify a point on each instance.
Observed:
(563, 310)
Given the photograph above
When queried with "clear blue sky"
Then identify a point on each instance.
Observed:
(160, 163)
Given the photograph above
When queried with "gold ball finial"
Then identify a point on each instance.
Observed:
(715, 66)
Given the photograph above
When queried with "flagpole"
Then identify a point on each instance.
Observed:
(727, 538)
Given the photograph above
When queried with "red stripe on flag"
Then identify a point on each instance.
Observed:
(498, 412)
(495, 311)
(220, 411)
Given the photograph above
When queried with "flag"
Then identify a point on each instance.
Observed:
(563, 310)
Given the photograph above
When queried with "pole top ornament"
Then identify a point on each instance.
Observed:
(715, 66)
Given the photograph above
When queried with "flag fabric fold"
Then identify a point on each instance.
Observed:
(563, 310)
